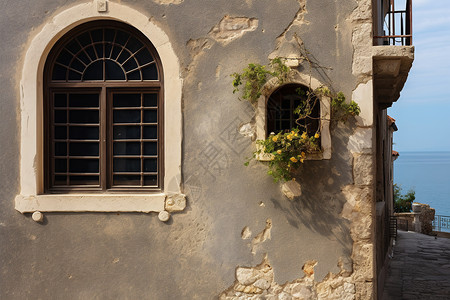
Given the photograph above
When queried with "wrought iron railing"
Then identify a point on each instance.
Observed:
(393, 227)
(441, 223)
(398, 26)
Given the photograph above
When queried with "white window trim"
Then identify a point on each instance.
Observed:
(325, 114)
(32, 197)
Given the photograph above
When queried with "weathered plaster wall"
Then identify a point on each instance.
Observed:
(236, 216)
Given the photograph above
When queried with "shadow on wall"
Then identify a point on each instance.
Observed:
(322, 201)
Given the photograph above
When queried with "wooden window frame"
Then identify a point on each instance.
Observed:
(105, 89)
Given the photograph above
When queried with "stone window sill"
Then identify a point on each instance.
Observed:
(100, 203)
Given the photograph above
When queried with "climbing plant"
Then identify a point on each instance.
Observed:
(288, 149)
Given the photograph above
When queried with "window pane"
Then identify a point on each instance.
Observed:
(150, 165)
(134, 45)
(91, 53)
(84, 180)
(123, 56)
(60, 132)
(150, 132)
(150, 72)
(121, 37)
(130, 64)
(83, 133)
(150, 100)
(60, 149)
(127, 165)
(113, 71)
(150, 116)
(83, 100)
(144, 56)
(150, 148)
(64, 57)
(74, 76)
(127, 100)
(84, 149)
(94, 71)
(77, 65)
(127, 148)
(150, 180)
(60, 100)
(59, 72)
(126, 132)
(60, 180)
(83, 57)
(83, 165)
(127, 180)
(60, 165)
(84, 116)
(99, 50)
(127, 116)
(135, 75)
(73, 46)
(60, 116)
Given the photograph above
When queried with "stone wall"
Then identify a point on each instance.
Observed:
(424, 215)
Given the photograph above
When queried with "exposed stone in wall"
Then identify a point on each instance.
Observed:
(426, 218)
(362, 40)
(231, 28)
(258, 283)
(359, 208)
(363, 169)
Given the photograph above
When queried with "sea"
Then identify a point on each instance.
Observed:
(428, 174)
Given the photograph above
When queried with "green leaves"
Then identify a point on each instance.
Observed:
(342, 110)
(287, 151)
(254, 77)
(403, 203)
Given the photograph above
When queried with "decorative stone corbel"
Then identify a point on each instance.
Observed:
(175, 202)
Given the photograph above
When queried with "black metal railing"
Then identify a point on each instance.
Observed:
(441, 223)
(393, 227)
(398, 26)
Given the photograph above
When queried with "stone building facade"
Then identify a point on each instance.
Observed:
(208, 227)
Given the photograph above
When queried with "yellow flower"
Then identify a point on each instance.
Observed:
(303, 154)
(304, 135)
(279, 151)
(275, 138)
(289, 137)
(316, 135)
(295, 134)
(292, 132)
(302, 160)
(293, 159)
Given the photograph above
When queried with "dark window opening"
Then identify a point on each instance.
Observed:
(281, 105)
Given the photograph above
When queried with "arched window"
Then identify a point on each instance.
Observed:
(284, 101)
(103, 111)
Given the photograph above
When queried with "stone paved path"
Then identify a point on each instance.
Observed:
(420, 268)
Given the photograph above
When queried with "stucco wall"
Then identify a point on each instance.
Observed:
(195, 254)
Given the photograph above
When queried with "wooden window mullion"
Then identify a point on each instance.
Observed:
(103, 138)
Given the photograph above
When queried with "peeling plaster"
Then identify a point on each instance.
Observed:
(231, 28)
(262, 236)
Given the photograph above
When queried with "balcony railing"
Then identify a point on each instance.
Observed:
(397, 26)
(441, 223)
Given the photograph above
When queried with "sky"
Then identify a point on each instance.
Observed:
(422, 112)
